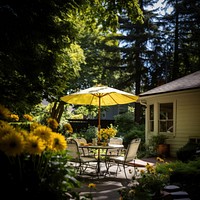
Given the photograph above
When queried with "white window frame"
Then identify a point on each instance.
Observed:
(151, 120)
(173, 120)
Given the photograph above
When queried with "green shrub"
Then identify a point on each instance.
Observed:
(90, 133)
(148, 186)
(124, 122)
(185, 175)
(187, 152)
(128, 129)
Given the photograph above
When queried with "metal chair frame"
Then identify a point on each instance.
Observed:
(81, 162)
(130, 155)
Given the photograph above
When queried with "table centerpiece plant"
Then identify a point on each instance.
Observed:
(106, 133)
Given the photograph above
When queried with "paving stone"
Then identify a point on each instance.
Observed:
(172, 188)
(179, 195)
(183, 199)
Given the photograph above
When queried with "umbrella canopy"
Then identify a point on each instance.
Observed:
(100, 96)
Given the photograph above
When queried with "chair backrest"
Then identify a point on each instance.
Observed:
(73, 149)
(132, 150)
(81, 140)
(116, 140)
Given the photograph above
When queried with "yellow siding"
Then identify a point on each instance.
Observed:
(187, 116)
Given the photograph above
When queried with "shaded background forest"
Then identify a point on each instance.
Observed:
(51, 48)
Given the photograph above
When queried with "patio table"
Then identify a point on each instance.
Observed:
(98, 148)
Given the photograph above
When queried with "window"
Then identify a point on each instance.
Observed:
(166, 118)
(151, 117)
(194, 140)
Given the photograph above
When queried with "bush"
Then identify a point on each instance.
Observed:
(90, 133)
(124, 122)
(185, 175)
(148, 186)
(187, 152)
(128, 129)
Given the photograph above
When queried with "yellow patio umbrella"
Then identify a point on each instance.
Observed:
(100, 96)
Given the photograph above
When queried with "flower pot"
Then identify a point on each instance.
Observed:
(163, 150)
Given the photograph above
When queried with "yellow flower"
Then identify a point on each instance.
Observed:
(58, 142)
(150, 168)
(159, 159)
(68, 128)
(171, 170)
(5, 128)
(34, 145)
(52, 123)
(14, 117)
(12, 144)
(92, 185)
(24, 133)
(28, 117)
(43, 132)
(106, 133)
(34, 125)
(142, 171)
(4, 112)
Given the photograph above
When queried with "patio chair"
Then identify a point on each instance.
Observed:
(84, 152)
(80, 162)
(115, 142)
(129, 156)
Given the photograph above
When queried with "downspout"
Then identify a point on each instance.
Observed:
(144, 103)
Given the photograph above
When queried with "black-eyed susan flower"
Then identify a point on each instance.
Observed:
(160, 159)
(34, 145)
(4, 112)
(92, 185)
(67, 127)
(14, 117)
(142, 171)
(28, 117)
(43, 132)
(52, 123)
(24, 133)
(107, 133)
(59, 142)
(34, 125)
(5, 128)
(12, 144)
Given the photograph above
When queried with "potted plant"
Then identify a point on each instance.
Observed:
(159, 144)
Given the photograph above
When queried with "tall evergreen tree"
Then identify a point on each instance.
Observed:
(181, 26)
(38, 48)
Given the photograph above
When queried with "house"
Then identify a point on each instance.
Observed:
(111, 111)
(173, 109)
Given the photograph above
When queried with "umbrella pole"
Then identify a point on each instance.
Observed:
(99, 118)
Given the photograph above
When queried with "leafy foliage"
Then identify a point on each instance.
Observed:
(128, 129)
(187, 152)
(39, 49)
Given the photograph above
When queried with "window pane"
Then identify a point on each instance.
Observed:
(151, 125)
(151, 117)
(166, 111)
(166, 117)
(151, 112)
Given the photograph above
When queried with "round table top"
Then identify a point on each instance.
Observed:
(99, 147)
